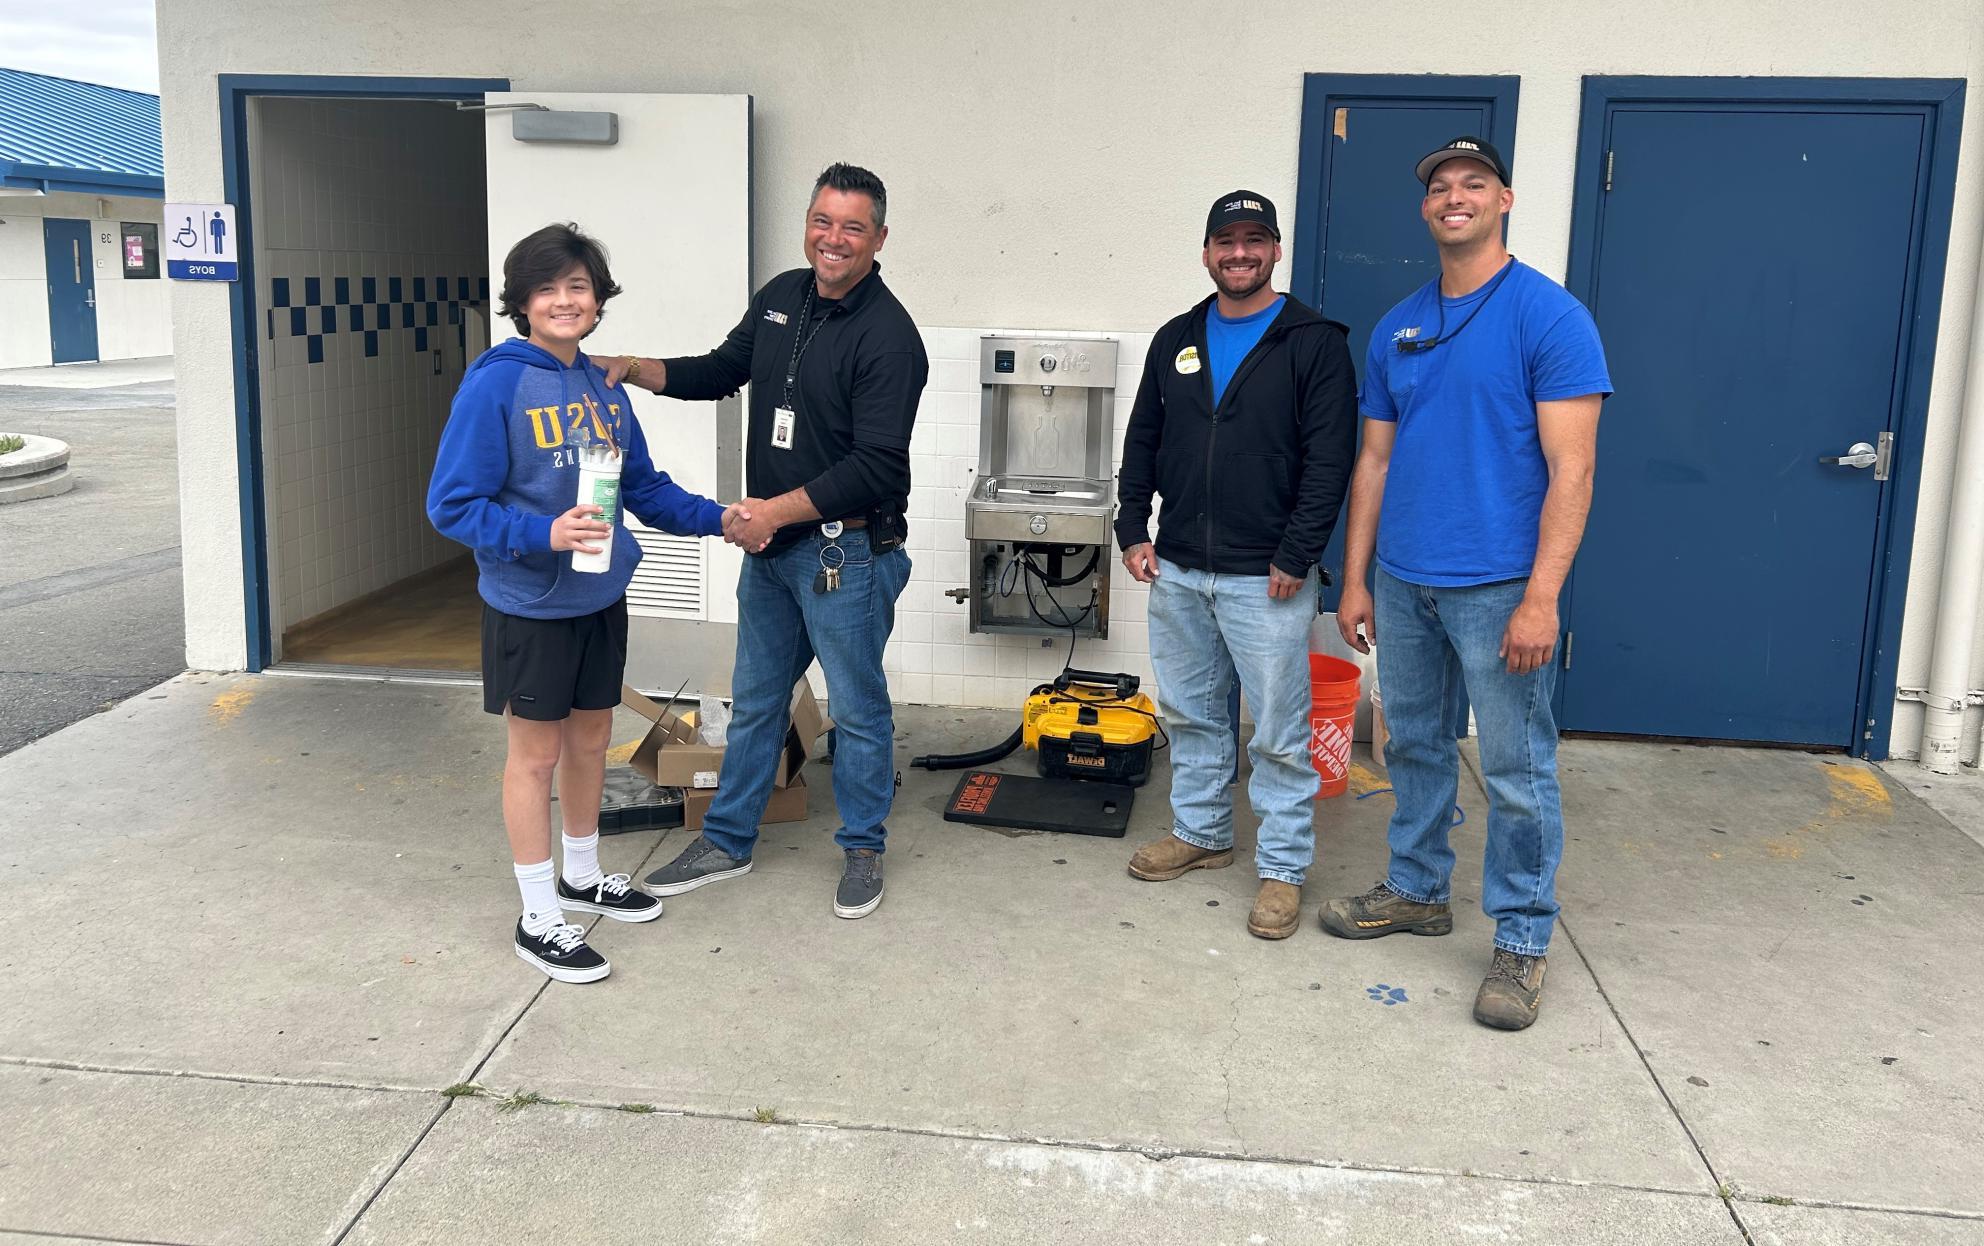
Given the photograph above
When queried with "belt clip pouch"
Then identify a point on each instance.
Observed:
(886, 531)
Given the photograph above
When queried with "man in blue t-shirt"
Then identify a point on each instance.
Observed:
(1480, 402)
(1244, 424)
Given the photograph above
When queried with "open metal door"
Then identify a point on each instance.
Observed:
(670, 198)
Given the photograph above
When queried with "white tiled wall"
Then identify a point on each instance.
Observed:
(933, 657)
(133, 320)
(359, 189)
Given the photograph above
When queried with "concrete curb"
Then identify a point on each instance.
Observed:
(39, 469)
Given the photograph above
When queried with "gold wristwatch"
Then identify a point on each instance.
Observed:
(633, 366)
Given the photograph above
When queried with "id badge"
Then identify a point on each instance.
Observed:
(783, 425)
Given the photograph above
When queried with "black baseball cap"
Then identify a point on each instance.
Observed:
(1468, 146)
(1239, 207)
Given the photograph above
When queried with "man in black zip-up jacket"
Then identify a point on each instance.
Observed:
(1245, 423)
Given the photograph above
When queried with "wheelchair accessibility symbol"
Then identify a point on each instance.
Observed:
(202, 246)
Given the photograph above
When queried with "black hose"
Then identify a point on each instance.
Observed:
(1026, 553)
(963, 761)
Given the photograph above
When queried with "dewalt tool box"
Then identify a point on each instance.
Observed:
(1090, 726)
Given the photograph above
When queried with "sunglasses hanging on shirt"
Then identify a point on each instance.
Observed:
(1414, 346)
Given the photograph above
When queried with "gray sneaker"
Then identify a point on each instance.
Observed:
(860, 884)
(701, 862)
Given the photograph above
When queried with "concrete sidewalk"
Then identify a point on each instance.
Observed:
(261, 990)
(96, 374)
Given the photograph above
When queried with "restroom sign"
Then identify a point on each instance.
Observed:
(201, 242)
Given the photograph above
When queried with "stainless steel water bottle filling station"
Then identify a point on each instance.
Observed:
(1038, 515)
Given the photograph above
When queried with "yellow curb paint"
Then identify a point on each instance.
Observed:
(1364, 779)
(1855, 790)
(620, 754)
(228, 706)
(1854, 793)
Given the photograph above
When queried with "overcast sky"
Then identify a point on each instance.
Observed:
(108, 41)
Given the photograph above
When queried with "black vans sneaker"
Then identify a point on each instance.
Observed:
(701, 862)
(611, 895)
(561, 952)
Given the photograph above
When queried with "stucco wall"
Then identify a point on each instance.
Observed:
(1048, 164)
(132, 315)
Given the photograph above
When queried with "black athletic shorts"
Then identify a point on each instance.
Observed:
(543, 669)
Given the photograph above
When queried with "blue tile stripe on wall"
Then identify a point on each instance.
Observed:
(410, 303)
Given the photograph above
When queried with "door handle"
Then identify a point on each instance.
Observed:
(1860, 454)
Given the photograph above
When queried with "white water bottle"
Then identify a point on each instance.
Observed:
(599, 485)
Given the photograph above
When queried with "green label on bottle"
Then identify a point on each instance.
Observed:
(606, 496)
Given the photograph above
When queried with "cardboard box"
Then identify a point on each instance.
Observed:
(671, 755)
(788, 804)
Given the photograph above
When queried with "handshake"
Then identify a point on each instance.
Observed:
(748, 524)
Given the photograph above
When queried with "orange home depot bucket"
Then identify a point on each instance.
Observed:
(1332, 710)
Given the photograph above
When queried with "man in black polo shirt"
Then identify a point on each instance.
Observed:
(836, 369)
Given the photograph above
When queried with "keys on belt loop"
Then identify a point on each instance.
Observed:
(832, 557)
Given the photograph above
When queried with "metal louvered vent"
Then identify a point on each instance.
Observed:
(669, 582)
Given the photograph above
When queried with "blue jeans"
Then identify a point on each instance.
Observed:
(1431, 641)
(782, 625)
(1205, 628)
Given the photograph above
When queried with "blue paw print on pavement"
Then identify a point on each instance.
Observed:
(1385, 994)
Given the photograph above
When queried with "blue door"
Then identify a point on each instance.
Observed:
(1751, 278)
(71, 290)
(1359, 244)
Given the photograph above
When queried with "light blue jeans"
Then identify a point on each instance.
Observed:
(782, 624)
(1431, 641)
(1205, 628)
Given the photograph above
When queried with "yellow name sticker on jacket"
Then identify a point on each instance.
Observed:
(1187, 361)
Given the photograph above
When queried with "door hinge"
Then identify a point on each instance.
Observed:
(1608, 170)
(1569, 638)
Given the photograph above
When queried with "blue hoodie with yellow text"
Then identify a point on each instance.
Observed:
(508, 465)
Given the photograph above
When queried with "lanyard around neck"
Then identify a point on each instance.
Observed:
(802, 338)
(1440, 334)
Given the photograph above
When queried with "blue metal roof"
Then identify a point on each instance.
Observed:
(57, 134)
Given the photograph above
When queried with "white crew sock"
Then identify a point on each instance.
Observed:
(582, 860)
(539, 886)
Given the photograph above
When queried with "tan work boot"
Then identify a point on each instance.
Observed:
(1382, 911)
(1162, 860)
(1510, 993)
(1277, 910)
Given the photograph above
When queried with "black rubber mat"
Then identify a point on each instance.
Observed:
(1071, 806)
(630, 803)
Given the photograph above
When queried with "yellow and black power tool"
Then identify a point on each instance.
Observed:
(1084, 725)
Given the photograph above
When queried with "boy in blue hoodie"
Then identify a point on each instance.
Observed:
(554, 639)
